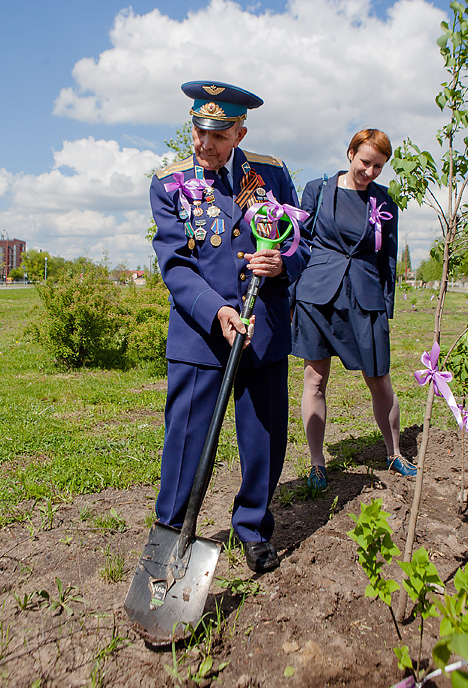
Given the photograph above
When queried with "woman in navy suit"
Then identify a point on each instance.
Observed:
(345, 296)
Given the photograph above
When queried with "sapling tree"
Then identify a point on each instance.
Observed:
(421, 178)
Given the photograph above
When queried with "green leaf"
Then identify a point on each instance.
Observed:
(404, 659)
(205, 666)
(459, 679)
(458, 643)
(289, 671)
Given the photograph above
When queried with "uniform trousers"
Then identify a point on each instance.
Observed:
(261, 409)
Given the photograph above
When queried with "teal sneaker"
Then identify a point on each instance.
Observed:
(317, 479)
(398, 464)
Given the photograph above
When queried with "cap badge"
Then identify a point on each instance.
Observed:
(213, 90)
(212, 110)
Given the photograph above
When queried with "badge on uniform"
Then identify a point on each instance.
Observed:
(217, 228)
(200, 234)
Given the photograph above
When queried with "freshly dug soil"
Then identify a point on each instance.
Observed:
(309, 624)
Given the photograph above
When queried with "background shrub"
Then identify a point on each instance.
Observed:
(89, 321)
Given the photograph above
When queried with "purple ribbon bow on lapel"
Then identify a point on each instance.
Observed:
(275, 212)
(375, 218)
(439, 379)
(193, 188)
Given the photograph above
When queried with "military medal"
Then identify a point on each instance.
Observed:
(261, 192)
(183, 214)
(217, 228)
(197, 211)
(200, 234)
(213, 211)
(236, 232)
(200, 223)
(190, 233)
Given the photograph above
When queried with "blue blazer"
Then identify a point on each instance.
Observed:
(372, 274)
(202, 280)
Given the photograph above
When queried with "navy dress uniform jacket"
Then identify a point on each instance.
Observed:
(201, 281)
(372, 275)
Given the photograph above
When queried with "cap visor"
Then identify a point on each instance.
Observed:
(207, 123)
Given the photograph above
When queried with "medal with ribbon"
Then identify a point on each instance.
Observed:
(375, 218)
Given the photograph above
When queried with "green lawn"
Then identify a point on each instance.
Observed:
(65, 432)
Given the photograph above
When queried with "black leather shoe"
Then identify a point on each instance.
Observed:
(261, 556)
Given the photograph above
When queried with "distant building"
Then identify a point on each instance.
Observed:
(11, 251)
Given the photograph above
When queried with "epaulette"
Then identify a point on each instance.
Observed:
(264, 159)
(177, 166)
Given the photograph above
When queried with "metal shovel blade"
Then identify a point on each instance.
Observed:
(166, 592)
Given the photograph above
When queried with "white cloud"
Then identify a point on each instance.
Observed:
(325, 68)
(102, 203)
(104, 177)
(5, 181)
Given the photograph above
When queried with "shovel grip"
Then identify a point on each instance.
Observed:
(207, 458)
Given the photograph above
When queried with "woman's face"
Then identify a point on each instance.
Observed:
(366, 165)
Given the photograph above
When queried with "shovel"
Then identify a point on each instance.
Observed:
(173, 577)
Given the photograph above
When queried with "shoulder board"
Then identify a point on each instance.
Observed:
(178, 166)
(264, 159)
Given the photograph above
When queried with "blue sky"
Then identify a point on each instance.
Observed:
(42, 42)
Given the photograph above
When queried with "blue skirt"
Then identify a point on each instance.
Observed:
(342, 328)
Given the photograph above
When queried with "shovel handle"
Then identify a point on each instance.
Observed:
(207, 458)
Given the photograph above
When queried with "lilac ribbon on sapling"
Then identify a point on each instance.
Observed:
(193, 188)
(439, 379)
(464, 415)
(375, 218)
(275, 212)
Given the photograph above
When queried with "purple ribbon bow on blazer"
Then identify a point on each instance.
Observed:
(439, 379)
(275, 212)
(193, 188)
(375, 218)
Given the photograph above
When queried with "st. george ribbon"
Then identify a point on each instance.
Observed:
(275, 212)
(375, 218)
(193, 188)
(439, 379)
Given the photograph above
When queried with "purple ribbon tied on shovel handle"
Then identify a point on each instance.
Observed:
(193, 188)
(275, 212)
(439, 379)
(375, 218)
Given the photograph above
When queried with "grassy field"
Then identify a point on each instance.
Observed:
(67, 432)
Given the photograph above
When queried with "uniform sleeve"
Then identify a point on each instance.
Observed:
(180, 271)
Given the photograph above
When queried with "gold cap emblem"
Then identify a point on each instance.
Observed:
(213, 90)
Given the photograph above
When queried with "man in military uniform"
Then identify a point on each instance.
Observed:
(206, 253)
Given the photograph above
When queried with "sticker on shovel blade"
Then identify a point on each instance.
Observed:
(158, 590)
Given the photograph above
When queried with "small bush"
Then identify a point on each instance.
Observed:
(88, 321)
(82, 319)
(147, 322)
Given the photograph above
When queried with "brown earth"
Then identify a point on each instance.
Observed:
(310, 617)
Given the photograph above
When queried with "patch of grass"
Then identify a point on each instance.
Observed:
(65, 432)
(110, 521)
(114, 568)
